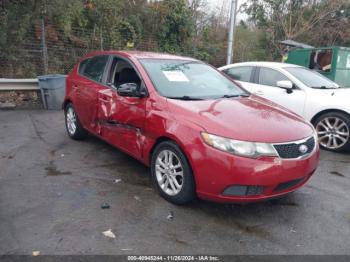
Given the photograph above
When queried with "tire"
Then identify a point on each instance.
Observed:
(333, 130)
(162, 171)
(73, 125)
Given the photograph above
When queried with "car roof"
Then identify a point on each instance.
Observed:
(275, 65)
(141, 55)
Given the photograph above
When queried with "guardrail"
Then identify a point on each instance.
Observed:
(7, 84)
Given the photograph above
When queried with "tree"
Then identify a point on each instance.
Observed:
(249, 44)
(176, 26)
(291, 19)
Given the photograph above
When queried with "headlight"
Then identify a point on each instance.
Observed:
(241, 148)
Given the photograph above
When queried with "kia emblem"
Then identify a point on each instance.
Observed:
(303, 149)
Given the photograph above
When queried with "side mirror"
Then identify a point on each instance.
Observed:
(129, 90)
(286, 84)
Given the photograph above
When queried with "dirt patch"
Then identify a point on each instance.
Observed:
(52, 170)
(181, 242)
(336, 173)
(252, 229)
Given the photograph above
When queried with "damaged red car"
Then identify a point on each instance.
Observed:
(200, 132)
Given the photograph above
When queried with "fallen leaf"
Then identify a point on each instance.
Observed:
(137, 198)
(109, 233)
(170, 216)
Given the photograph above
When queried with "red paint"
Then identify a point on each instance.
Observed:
(143, 121)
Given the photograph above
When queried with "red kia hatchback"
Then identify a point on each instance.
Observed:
(201, 134)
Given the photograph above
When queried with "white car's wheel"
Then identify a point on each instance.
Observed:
(333, 130)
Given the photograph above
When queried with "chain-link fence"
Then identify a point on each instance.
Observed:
(47, 50)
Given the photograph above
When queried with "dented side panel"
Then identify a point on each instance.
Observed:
(120, 120)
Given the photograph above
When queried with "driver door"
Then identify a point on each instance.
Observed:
(122, 118)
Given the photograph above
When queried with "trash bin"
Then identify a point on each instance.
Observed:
(53, 90)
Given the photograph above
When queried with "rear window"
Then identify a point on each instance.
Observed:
(82, 66)
(240, 73)
(94, 68)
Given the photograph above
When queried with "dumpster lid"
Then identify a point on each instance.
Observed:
(293, 43)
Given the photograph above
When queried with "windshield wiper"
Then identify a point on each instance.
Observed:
(186, 98)
(230, 96)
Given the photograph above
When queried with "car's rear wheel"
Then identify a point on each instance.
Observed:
(73, 126)
(172, 174)
(333, 130)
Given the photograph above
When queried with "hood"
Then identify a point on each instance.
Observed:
(342, 94)
(248, 119)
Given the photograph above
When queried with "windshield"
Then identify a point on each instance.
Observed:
(189, 80)
(311, 78)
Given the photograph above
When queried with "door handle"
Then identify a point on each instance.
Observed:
(112, 122)
(105, 99)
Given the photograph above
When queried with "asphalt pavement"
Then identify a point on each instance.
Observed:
(52, 189)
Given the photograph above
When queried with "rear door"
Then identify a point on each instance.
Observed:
(267, 79)
(91, 80)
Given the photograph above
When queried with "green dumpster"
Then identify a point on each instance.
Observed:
(332, 62)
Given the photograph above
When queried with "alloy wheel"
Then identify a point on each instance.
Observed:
(333, 132)
(71, 121)
(169, 172)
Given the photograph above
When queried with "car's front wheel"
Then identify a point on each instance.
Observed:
(172, 174)
(73, 126)
(333, 130)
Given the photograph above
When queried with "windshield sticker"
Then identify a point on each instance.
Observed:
(175, 76)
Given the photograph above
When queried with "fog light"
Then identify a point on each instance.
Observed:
(235, 191)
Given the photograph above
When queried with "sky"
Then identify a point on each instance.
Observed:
(218, 3)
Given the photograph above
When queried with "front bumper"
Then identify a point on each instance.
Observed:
(269, 177)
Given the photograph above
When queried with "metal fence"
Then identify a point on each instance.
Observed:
(48, 50)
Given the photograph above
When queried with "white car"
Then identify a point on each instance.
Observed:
(303, 91)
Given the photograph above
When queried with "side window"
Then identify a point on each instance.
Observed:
(94, 68)
(270, 77)
(122, 72)
(83, 65)
(240, 73)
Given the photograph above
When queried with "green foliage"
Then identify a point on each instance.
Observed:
(250, 44)
(176, 26)
(74, 27)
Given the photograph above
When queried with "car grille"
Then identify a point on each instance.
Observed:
(294, 149)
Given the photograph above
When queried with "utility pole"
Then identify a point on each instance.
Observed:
(231, 33)
(43, 41)
(101, 40)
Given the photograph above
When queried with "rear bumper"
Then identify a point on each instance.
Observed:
(269, 177)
